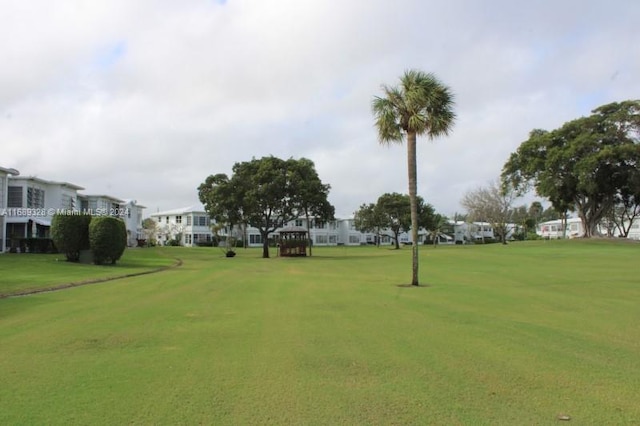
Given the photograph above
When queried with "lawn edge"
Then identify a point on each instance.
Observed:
(65, 286)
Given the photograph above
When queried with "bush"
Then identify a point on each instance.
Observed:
(487, 240)
(37, 245)
(519, 236)
(107, 238)
(70, 234)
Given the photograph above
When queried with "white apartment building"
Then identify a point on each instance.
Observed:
(190, 225)
(131, 213)
(554, 229)
(464, 232)
(32, 202)
(127, 210)
(100, 205)
(28, 204)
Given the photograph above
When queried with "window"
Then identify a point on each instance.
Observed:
(189, 220)
(187, 239)
(298, 222)
(319, 224)
(255, 239)
(14, 196)
(167, 219)
(200, 221)
(178, 219)
(201, 238)
(67, 202)
(354, 239)
(333, 239)
(321, 239)
(35, 198)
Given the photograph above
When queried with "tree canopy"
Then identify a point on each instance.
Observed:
(266, 193)
(589, 165)
(392, 213)
(493, 204)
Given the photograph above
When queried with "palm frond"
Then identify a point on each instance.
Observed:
(385, 113)
(420, 104)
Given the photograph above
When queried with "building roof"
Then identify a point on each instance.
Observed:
(46, 182)
(9, 171)
(108, 197)
(292, 229)
(133, 203)
(183, 210)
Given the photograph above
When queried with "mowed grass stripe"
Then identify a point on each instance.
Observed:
(332, 339)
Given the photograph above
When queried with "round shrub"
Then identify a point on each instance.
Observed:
(107, 238)
(70, 234)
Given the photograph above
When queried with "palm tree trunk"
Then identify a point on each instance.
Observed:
(413, 192)
(306, 215)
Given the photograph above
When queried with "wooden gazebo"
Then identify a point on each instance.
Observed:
(293, 241)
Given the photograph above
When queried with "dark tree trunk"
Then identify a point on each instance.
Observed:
(265, 244)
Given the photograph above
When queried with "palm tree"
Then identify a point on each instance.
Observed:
(420, 105)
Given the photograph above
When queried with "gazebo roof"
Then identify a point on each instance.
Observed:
(292, 229)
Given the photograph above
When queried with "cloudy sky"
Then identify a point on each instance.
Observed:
(144, 99)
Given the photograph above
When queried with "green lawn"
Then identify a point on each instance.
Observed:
(502, 335)
(23, 273)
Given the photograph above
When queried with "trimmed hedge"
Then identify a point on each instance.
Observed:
(70, 234)
(108, 239)
(37, 245)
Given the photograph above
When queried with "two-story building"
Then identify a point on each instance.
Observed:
(131, 213)
(127, 210)
(100, 205)
(189, 226)
(32, 202)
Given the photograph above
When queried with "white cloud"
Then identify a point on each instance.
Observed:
(145, 99)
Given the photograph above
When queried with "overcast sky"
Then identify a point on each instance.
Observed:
(144, 99)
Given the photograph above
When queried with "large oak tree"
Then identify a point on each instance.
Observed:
(266, 193)
(588, 165)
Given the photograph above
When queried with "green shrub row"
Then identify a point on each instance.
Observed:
(105, 236)
(34, 245)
